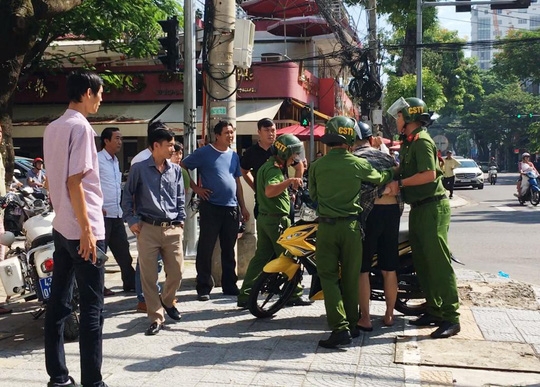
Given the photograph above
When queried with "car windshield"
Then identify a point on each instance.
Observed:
(468, 164)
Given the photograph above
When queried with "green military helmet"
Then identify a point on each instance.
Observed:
(288, 145)
(341, 130)
(413, 110)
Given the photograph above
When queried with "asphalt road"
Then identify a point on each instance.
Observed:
(495, 233)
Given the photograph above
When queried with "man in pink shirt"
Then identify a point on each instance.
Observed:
(78, 230)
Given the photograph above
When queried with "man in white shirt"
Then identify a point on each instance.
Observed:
(111, 180)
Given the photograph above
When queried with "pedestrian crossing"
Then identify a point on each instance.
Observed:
(512, 207)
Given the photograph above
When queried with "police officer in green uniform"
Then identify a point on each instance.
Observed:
(334, 182)
(274, 206)
(420, 181)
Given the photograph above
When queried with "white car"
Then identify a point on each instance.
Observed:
(469, 174)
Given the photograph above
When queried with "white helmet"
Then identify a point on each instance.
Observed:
(7, 238)
(525, 154)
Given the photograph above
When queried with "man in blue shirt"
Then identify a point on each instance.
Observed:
(221, 194)
(110, 179)
(154, 208)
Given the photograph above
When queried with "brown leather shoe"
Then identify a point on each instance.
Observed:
(141, 307)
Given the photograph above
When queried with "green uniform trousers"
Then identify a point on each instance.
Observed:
(340, 244)
(269, 229)
(428, 234)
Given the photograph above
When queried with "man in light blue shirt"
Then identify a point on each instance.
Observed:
(111, 186)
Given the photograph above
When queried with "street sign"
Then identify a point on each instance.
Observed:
(218, 111)
(441, 142)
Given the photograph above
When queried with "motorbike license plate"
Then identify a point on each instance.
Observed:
(465, 180)
(45, 285)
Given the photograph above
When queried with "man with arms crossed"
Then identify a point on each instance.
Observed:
(78, 229)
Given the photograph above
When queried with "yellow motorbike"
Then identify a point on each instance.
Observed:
(280, 277)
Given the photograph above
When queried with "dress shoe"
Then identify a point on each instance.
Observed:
(141, 307)
(299, 301)
(231, 292)
(336, 338)
(426, 320)
(203, 297)
(129, 289)
(68, 383)
(446, 329)
(108, 292)
(153, 329)
(172, 312)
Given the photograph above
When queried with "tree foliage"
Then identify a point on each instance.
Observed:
(28, 27)
(519, 56)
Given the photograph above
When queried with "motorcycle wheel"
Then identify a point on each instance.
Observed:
(535, 197)
(270, 293)
(71, 327)
(409, 307)
(12, 226)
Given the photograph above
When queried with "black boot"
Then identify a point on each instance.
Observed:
(336, 338)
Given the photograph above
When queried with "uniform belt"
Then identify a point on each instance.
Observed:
(428, 200)
(273, 215)
(325, 219)
(161, 222)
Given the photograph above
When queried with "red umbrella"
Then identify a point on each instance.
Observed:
(280, 8)
(293, 129)
(300, 26)
(302, 132)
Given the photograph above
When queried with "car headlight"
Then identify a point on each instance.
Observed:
(478, 174)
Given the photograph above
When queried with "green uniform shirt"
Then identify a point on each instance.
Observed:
(419, 154)
(335, 181)
(270, 173)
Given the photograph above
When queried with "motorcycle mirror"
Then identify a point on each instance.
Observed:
(7, 239)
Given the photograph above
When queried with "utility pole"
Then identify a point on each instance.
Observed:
(373, 54)
(221, 76)
(221, 71)
(190, 115)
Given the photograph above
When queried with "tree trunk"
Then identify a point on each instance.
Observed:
(408, 61)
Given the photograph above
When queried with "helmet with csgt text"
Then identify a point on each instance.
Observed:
(288, 145)
(341, 130)
(412, 109)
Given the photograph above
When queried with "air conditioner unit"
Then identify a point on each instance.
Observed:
(244, 37)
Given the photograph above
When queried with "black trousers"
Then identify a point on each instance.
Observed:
(448, 183)
(223, 222)
(116, 240)
(68, 266)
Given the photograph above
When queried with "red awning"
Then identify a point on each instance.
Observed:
(302, 132)
(280, 8)
(303, 26)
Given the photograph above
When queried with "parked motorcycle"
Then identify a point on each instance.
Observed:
(19, 206)
(532, 192)
(492, 175)
(280, 277)
(26, 273)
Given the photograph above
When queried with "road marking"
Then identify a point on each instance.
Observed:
(505, 209)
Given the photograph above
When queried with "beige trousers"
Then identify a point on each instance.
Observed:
(167, 241)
